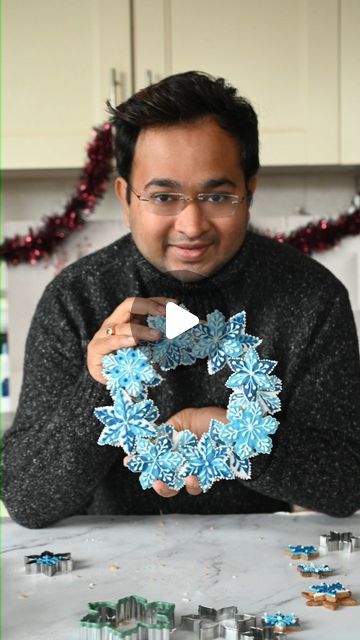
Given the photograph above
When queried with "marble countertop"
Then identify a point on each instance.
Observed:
(212, 560)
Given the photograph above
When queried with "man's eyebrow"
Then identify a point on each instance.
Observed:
(173, 184)
(219, 182)
(163, 182)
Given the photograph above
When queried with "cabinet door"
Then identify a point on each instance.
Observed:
(58, 56)
(281, 55)
(350, 82)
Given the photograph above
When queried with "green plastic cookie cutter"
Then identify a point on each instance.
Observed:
(130, 618)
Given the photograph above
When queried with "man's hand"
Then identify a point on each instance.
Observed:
(197, 421)
(127, 330)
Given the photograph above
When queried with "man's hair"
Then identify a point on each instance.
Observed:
(186, 97)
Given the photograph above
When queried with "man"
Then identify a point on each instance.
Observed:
(190, 135)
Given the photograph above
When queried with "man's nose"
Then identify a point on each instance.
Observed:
(191, 221)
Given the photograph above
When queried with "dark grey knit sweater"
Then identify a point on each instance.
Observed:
(53, 466)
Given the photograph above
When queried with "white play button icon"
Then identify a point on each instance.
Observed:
(178, 320)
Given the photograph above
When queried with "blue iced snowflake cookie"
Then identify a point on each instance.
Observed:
(126, 421)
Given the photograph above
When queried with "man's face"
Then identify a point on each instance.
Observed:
(190, 158)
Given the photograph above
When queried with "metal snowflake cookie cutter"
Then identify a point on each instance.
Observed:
(339, 541)
(48, 563)
(131, 617)
(210, 624)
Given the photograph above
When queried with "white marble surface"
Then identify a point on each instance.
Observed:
(189, 560)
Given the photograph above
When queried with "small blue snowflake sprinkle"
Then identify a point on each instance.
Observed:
(157, 462)
(126, 421)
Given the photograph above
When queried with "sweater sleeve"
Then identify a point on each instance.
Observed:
(52, 463)
(316, 457)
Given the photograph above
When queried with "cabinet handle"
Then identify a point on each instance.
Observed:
(148, 77)
(115, 84)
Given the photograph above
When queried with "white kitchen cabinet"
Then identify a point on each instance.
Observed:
(57, 61)
(282, 55)
(350, 82)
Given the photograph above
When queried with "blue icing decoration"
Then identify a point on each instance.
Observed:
(252, 374)
(129, 369)
(156, 462)
(48, 560)
(220, 340)
(280, 620)
(248, 433)
(301, 550)
(169, 353)
(207, 461)
(312, 568)
(126, 421)
(324, 589)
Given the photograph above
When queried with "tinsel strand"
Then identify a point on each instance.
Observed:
(92, 185)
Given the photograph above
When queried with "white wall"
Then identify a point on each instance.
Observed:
(28, 198)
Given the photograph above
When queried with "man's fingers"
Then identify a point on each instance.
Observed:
(163, 490)
(138, 306)
(192, 486)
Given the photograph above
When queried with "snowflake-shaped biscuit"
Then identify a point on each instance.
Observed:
(241, 467)
(300, 551)
(126, 421)
(129, 369)
(169, 353)
(281, 622)
(157, 461)
(249, 433)
(330, 596)
(220, 340)
(207, 461)
(252, 374)
(310, 569)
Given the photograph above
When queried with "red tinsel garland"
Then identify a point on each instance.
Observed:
(324, 234)
(317, 236)
(92, 185)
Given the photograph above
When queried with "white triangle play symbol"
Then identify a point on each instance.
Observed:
(178, 320)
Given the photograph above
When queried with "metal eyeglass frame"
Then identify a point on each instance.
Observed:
(186, 199)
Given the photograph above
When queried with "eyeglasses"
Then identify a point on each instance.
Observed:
(212, 205)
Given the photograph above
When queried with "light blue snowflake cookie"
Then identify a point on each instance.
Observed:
(248, 431)
(157, 461)
(129, 369)
(218, 339)
(252, 374)
(170, 353)
(207, 461)
(281, 622)
(126, 421)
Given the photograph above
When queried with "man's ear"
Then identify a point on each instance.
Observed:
(121, 188)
